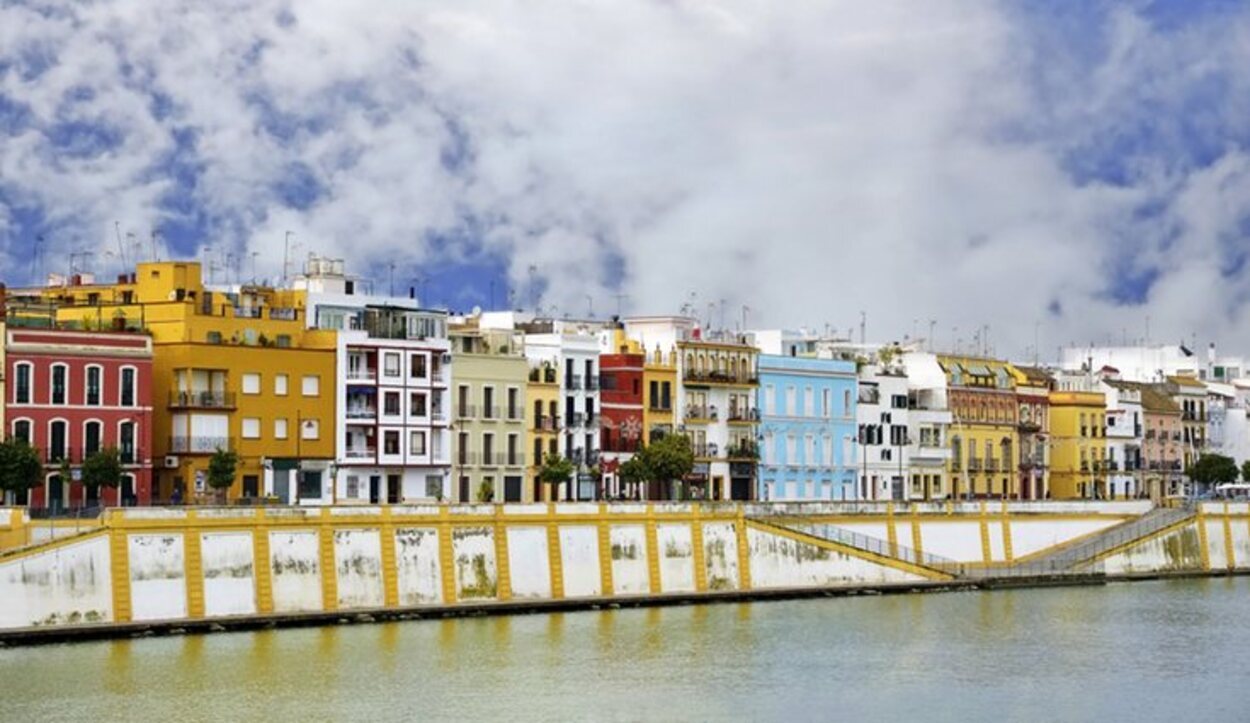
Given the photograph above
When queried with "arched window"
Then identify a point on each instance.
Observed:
(126, 442)
(92, 394)
(91, 437)
(58, 440)
(60, 375)
(127, 393)
(23, 379)
(23, 430)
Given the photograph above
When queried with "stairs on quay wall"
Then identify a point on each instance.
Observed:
(825, 535)
(1087, 551)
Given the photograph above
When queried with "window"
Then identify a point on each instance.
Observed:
(512, 450)
(416, 443)
(58, 440)
(93, 385)
(488, 403)
(59, 372)
(390, 364)
(514, 407)
(21, 430)
(310, 429)
(846, 403)
(21, 389)
(279, 384)
(390, 442)
(790, 408)
(826, 403)
(90, 438)
(279, 428)
(488, 448)
(390, 404)
(416, 404)
(666, 395)
(417, 369)
(128, 387)
(251, 383)
(126, 445)
(312, 386)
(251, 428)
(898, 401)
(809, 403)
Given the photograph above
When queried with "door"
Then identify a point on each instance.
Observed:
(251, 486)
(511, 489)
(393, 485)
(464, 490)
(56, 493)
(282, 485)
(375, 489)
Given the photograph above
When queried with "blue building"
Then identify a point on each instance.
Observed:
(807, 428)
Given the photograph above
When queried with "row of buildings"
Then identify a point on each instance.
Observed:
(329, 393)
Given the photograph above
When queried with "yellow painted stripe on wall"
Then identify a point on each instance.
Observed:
(605, 552)
(119, 552)
(390, 575)
(744, 551)
(262, 567)
(329, 571)
(193, 569)
(699, 554)
(556, 560)
(447, 556)
(653, 552)
(503, 568)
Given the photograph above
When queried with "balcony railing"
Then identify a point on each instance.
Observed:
(974, 465)
(743, 450)
(545, 375)
(360, 453)
(592, 383)
(546, 423)
(513, 414)
(362, 375)
(362, 413)
(466, 411)
(199, 444)
(695, 412)
(574, 382)
(438, 376)
(695, 377)
(283, 314)
(438, 416)
(490, 413)
(706, 451)
(744, 415)
(201, 400)
(576, 420)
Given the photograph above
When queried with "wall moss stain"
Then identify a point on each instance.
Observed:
(236, 572)
(626, 551)
(161, 557)
(477, 581)
(286, 565)
(676, 549)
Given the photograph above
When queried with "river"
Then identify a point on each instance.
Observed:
(1172, 650)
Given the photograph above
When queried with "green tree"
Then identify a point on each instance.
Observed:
(102, 469)
(485, 492)
(635, 470)
(65, 472)
(668, 459)
(556, 470)
(1212, 469)
(20, 466)
(1245, 471)
(221, 469)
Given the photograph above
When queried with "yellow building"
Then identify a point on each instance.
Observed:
(490, 400)
(542, 418)
(1078, 445)
(983, 431)
(659, 384)
(234, 369)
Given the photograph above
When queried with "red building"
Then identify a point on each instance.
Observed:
(72, 393)
(620, 423)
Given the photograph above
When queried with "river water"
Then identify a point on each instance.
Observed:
(1175, 650)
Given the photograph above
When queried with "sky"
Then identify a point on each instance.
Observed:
(1021, 174)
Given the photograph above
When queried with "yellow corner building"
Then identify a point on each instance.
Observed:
(1078, 445)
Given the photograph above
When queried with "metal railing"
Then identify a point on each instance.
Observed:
(201, 400)
(1122, 534)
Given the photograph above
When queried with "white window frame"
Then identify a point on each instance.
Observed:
(310, 430)
(399, 364)
(249, 428)
(310, 382)
(280, 384)
(121, 386)
(86, 385)
(412, 449)
(52, 383)
(30, 382)
(280, 428)
(253, 388)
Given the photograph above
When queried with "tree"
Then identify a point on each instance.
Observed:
(20, 467)
(1212, 469)
(556, 470)
(102, 469)
(1245, 471)
(221, 468)
(635, 470)
(485, 492)
(669, 458)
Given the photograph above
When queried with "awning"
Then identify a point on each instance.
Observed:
(283, 464)
(977, 370)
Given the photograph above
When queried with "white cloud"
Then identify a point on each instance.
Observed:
(913, 160)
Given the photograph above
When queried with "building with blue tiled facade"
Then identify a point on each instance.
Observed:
(808, 430)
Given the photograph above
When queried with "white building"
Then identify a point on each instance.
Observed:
(1228, 426)
(393, 372)
(1156, 363)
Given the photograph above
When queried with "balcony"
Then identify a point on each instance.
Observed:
(705, 451)
(974, 465)
(199, 445)
(592, 383)
(438, 377)
(247, 312)
(201, 400)
(546, 423)
(283, 314)
(362, 375)
(574, 382)
(660, 406)
(697, 378)
(543, 375)
(576, 420)
(701, 414)
(1084, 466)
(466, 411)
(362, 413)
(438, 416)
(743, 450)
(743, 416)
(490, 414)
(56, 456)
(514, 414)
(360, 453)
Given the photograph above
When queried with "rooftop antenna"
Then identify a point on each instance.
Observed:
(254, 255)
(134, 242)
(590, 307)
(532, 271)
(932, 325)
(155, 255)
(391, 270)
(745, 310)
(117, 231)
(863, 327)
(286, 256)
(36, 261)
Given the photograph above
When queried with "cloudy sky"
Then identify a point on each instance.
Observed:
(1059, 174)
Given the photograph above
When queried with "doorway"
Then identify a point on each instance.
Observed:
(394, 484)
(375, 489)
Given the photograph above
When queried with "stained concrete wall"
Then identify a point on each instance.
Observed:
(630, 575)
(579, 560)
(474, 553)
(780, 562)
(295, 567)
(528, 562)
(720, 555)
(229, 573)
(64, 585)
(358, 568)
(419, 573)
(676, 552)
(1180, 551)
(158, 584)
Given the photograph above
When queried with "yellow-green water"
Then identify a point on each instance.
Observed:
(1165, 651)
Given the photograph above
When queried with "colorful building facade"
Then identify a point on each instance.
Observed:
(72, 394)
(807, 412)
(1078, 445)
(983, 435)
